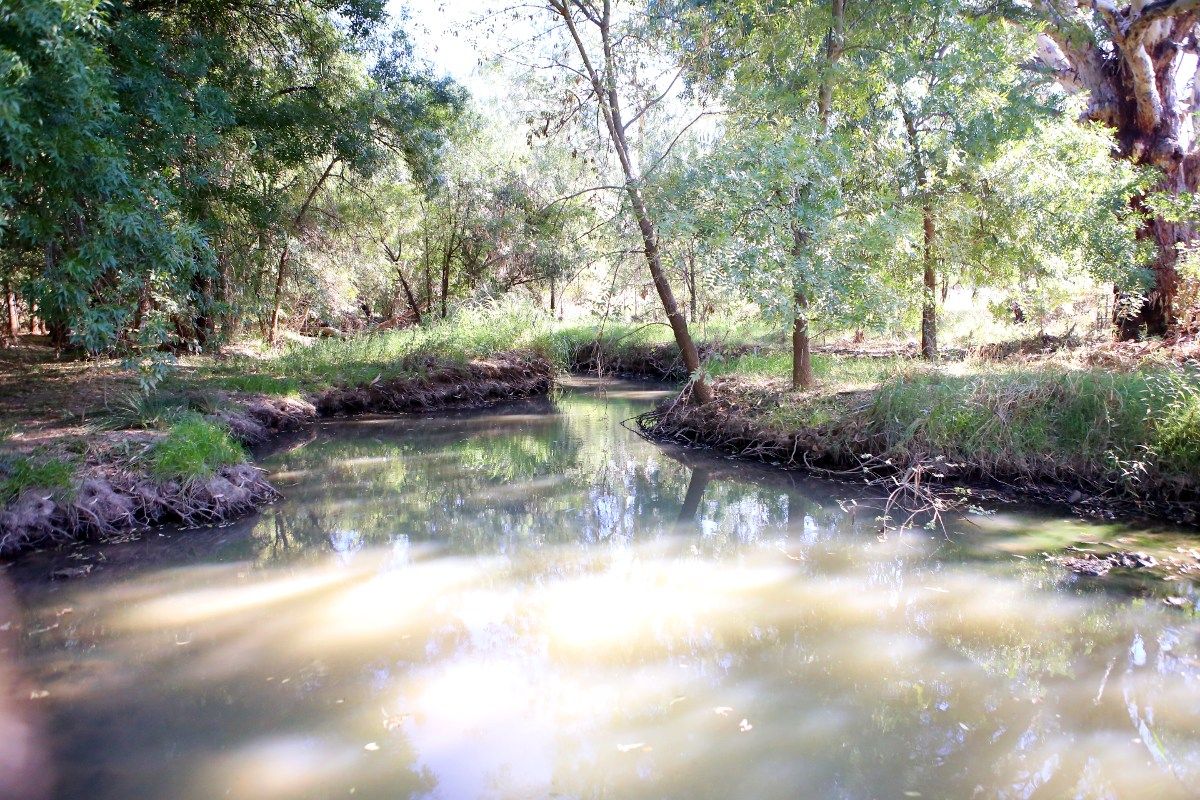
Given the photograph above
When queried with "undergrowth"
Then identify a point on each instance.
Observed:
(842, 372)
(194, 448)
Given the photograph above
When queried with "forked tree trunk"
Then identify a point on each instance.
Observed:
(1132, 61)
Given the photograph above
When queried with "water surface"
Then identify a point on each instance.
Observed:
(532, 602)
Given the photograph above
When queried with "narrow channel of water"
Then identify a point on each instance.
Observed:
(532, 602)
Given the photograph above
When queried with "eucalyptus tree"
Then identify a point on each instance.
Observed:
(959, 96)
(778, 66)
(1136, 64)
(606, 42)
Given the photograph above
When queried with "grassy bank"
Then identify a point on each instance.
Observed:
(180, 452)
(1129, 436)
(386, 356)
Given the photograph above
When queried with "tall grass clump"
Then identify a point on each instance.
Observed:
(1140, 426)
(18, 473)
(156, 410)
(469, 333)
(194, 448)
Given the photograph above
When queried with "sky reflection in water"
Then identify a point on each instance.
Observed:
(532, 602)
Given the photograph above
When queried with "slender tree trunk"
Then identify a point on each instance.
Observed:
(928, 251)
(552, 297)
(610, 108)
(445, 284)
(802, 374)
(929, 305)
(14, 314)
(413, 305)
(281, 272)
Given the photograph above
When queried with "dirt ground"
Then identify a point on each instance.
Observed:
(44, 396)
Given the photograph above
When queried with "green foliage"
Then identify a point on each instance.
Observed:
(831, 371)
(153, 157)
(21, 472)
(194, 448)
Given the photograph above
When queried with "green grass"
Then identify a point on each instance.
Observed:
(359, 360)
(1143, 426)
(1092, 416)
(194, 448)
(20, 473)
(840, 371)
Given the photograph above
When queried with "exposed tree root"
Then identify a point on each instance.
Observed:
(103, 505)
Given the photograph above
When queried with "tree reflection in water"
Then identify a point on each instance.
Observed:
(533, 602)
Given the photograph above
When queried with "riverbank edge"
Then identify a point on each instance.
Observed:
(110, 497)
(845, 449)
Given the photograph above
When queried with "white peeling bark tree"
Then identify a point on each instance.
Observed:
(1137, 62)
(590, 26)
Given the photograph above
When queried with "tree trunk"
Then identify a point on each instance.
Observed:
(1156, 313)
(610, 109)
(1132, 61)
(691, 279)
(445, 284)
(14, 314)
(411, 299)
(802, 374)
(928, 255)
(929, 306)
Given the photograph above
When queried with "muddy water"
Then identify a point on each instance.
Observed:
(531, 602)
